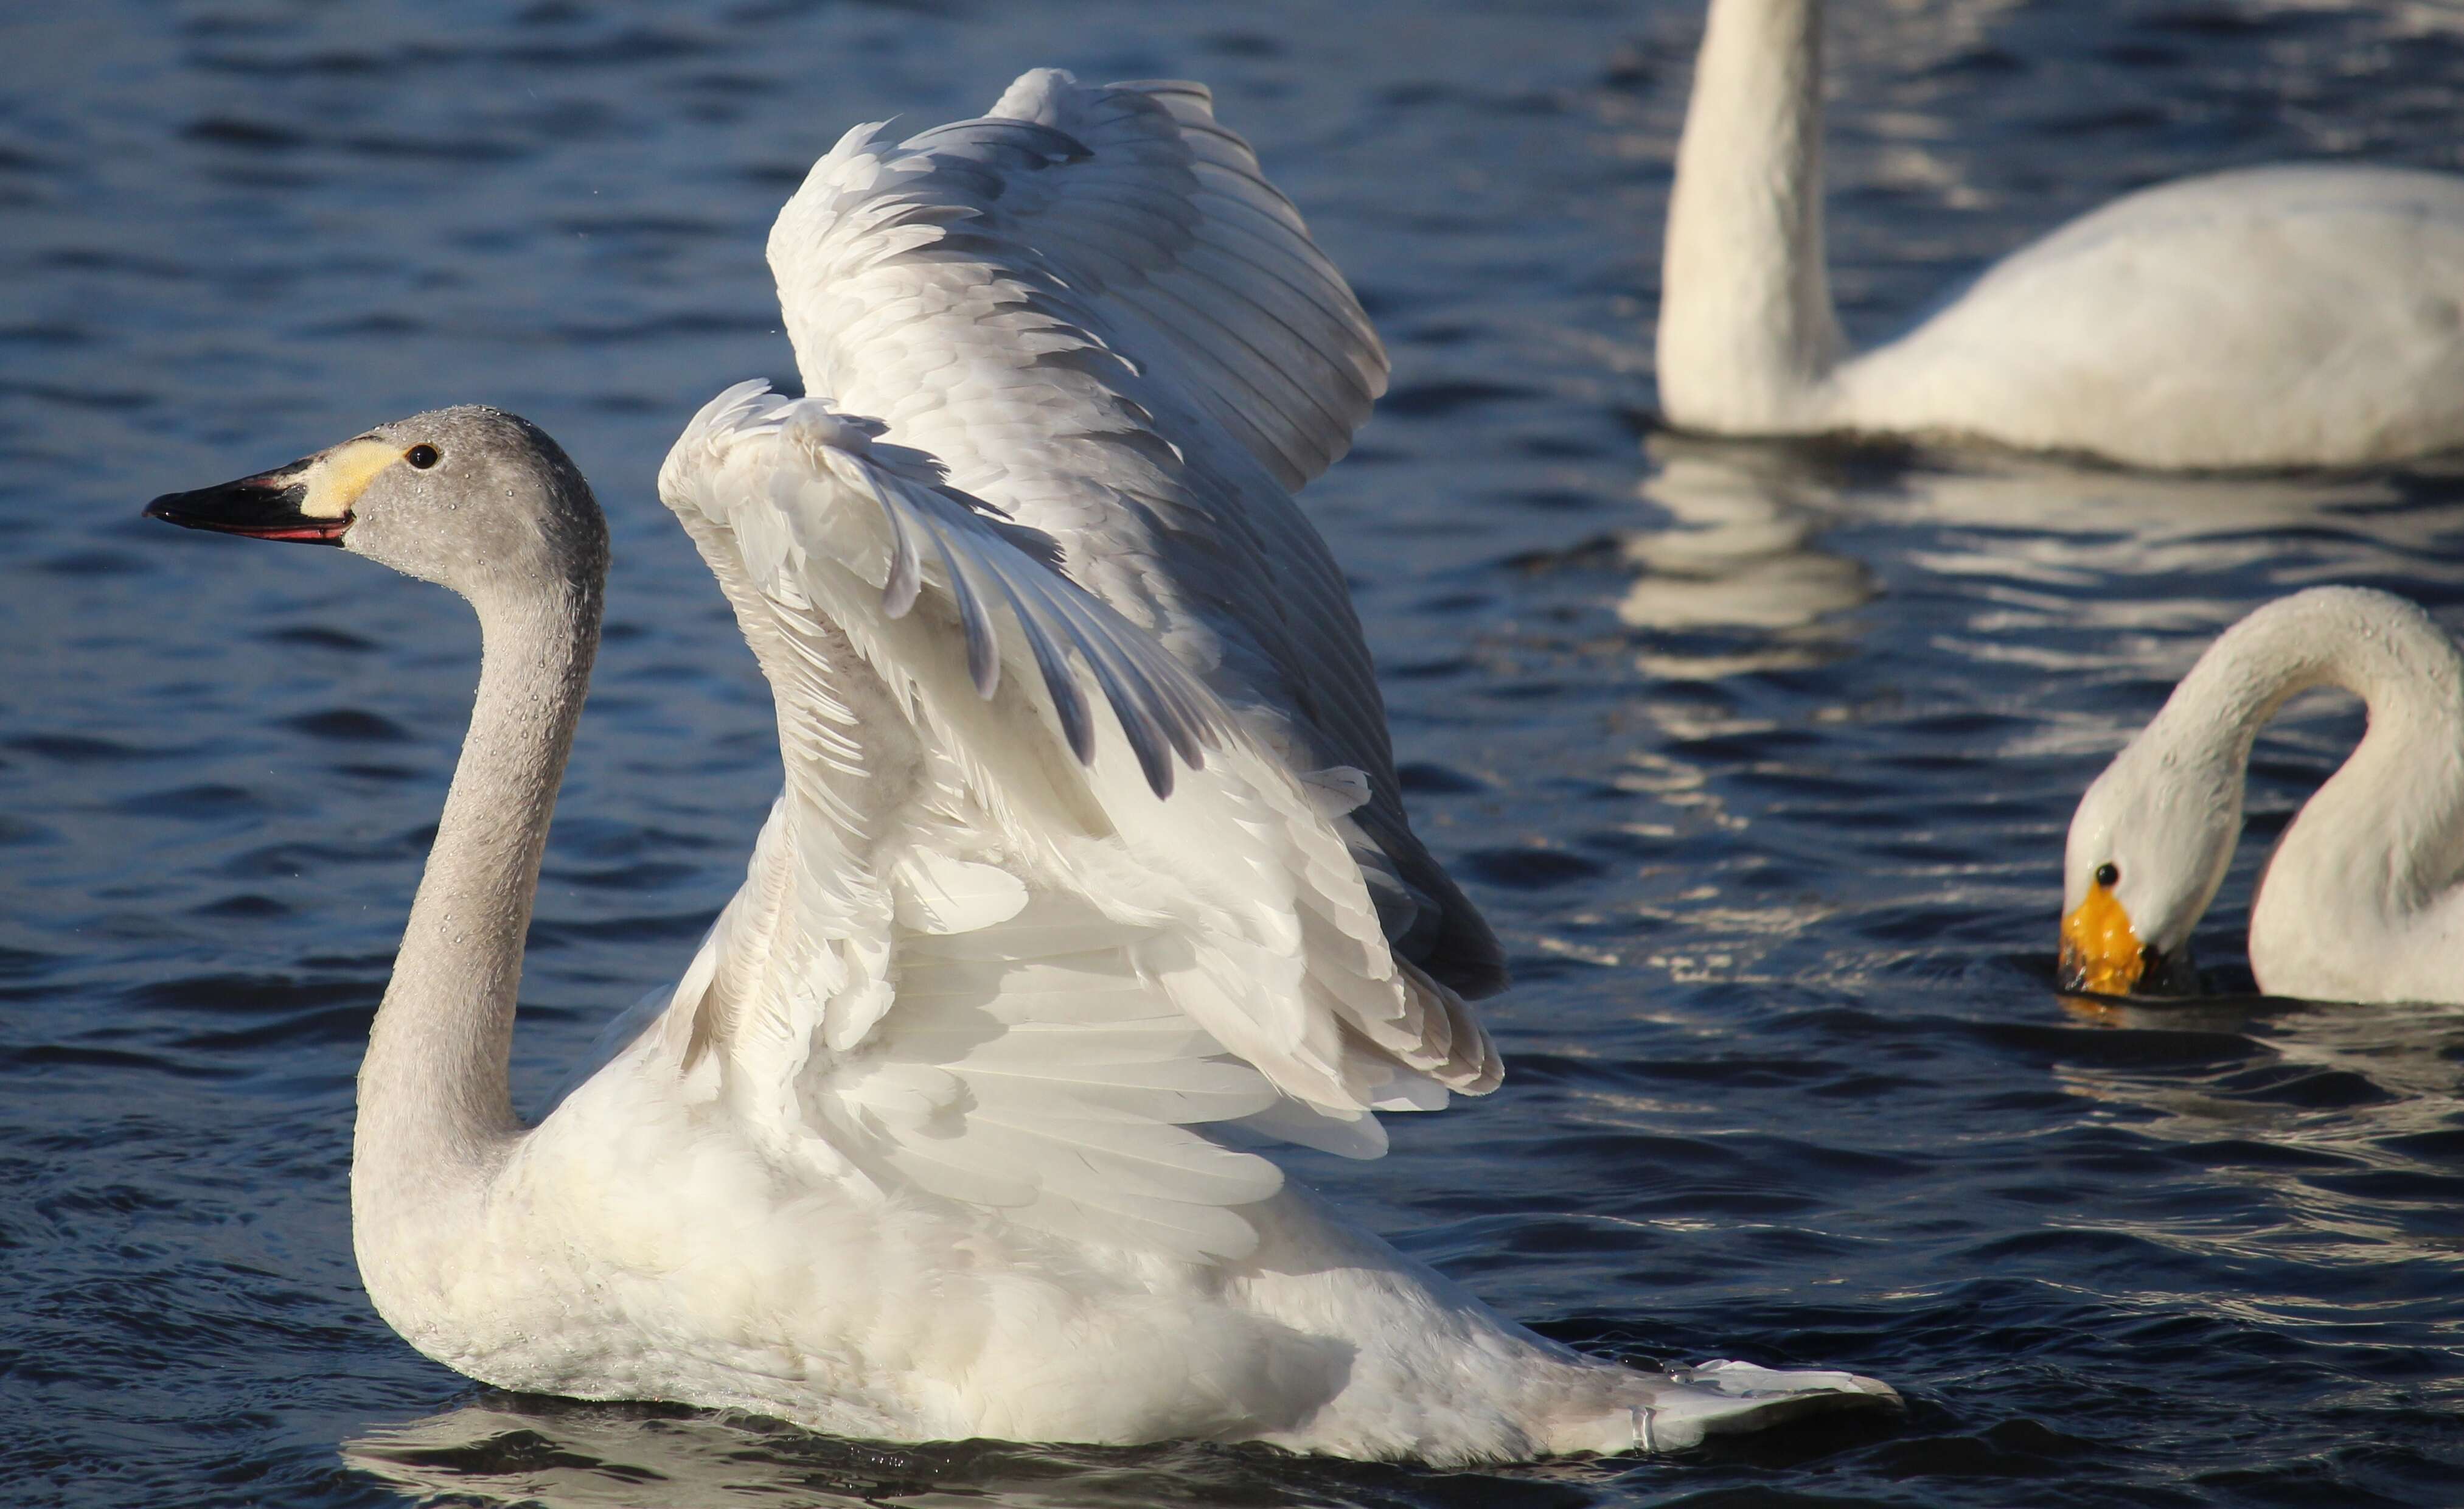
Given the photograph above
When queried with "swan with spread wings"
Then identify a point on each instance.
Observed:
(1089, 875)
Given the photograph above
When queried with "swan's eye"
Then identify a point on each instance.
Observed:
(2109, 874)
(422, 456)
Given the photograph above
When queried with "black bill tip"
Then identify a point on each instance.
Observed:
(2160, 973)
(266, 506)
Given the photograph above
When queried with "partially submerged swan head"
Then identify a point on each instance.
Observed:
(2149, 847)
(2362, 897)
(473, 498)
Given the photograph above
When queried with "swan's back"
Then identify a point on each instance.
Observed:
(2295, 315)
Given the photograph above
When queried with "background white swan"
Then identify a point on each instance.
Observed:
(1090, 836)
(2279, 316)
(2364, 898)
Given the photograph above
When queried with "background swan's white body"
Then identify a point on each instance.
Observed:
(2268, 317)
(909, 1151)
(2364, 897)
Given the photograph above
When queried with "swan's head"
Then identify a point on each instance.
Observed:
(2148, 847)
(473, 498)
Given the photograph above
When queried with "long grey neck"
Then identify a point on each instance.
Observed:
(2386, 830)
(1747, 330)
(434, 1094)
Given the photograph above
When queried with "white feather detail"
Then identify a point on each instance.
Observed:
(936, 893)
(1092, 308)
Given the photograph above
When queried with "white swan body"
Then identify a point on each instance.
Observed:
(1090, 851)
(2269, 316)
(2364, 898)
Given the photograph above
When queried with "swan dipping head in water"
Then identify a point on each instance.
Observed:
(2361, 899)
(1089, 850)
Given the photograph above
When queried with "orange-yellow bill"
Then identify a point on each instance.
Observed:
(2101, 951)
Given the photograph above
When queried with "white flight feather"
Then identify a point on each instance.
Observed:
(1091, 307)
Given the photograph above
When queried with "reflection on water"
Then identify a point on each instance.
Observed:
(2107, 541)
(1740, 553)
(1752, 562)
(2401, 1063)
(2344, 1120)
(555, 1454)
(2113, 583)
(566, 1455)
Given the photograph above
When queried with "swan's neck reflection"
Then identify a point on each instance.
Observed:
(1739, 554)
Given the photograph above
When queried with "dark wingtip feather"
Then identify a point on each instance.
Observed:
(1157, 763)
(983, 652)
(1068, 702)
(906, 580)
(1139, 727)
(983, 664)
(1076, 725)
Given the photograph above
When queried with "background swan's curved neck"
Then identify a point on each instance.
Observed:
(1746, 331)
(434, 1094)
(2386, 830)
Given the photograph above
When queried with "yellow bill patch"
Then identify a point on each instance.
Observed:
(2100, 947)
(337, 478)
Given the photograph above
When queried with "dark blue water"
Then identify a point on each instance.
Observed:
(1758, 757)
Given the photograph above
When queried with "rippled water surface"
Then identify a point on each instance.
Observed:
(1759, 757)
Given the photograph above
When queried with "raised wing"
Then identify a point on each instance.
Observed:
(1092, 308)
(979, 950)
